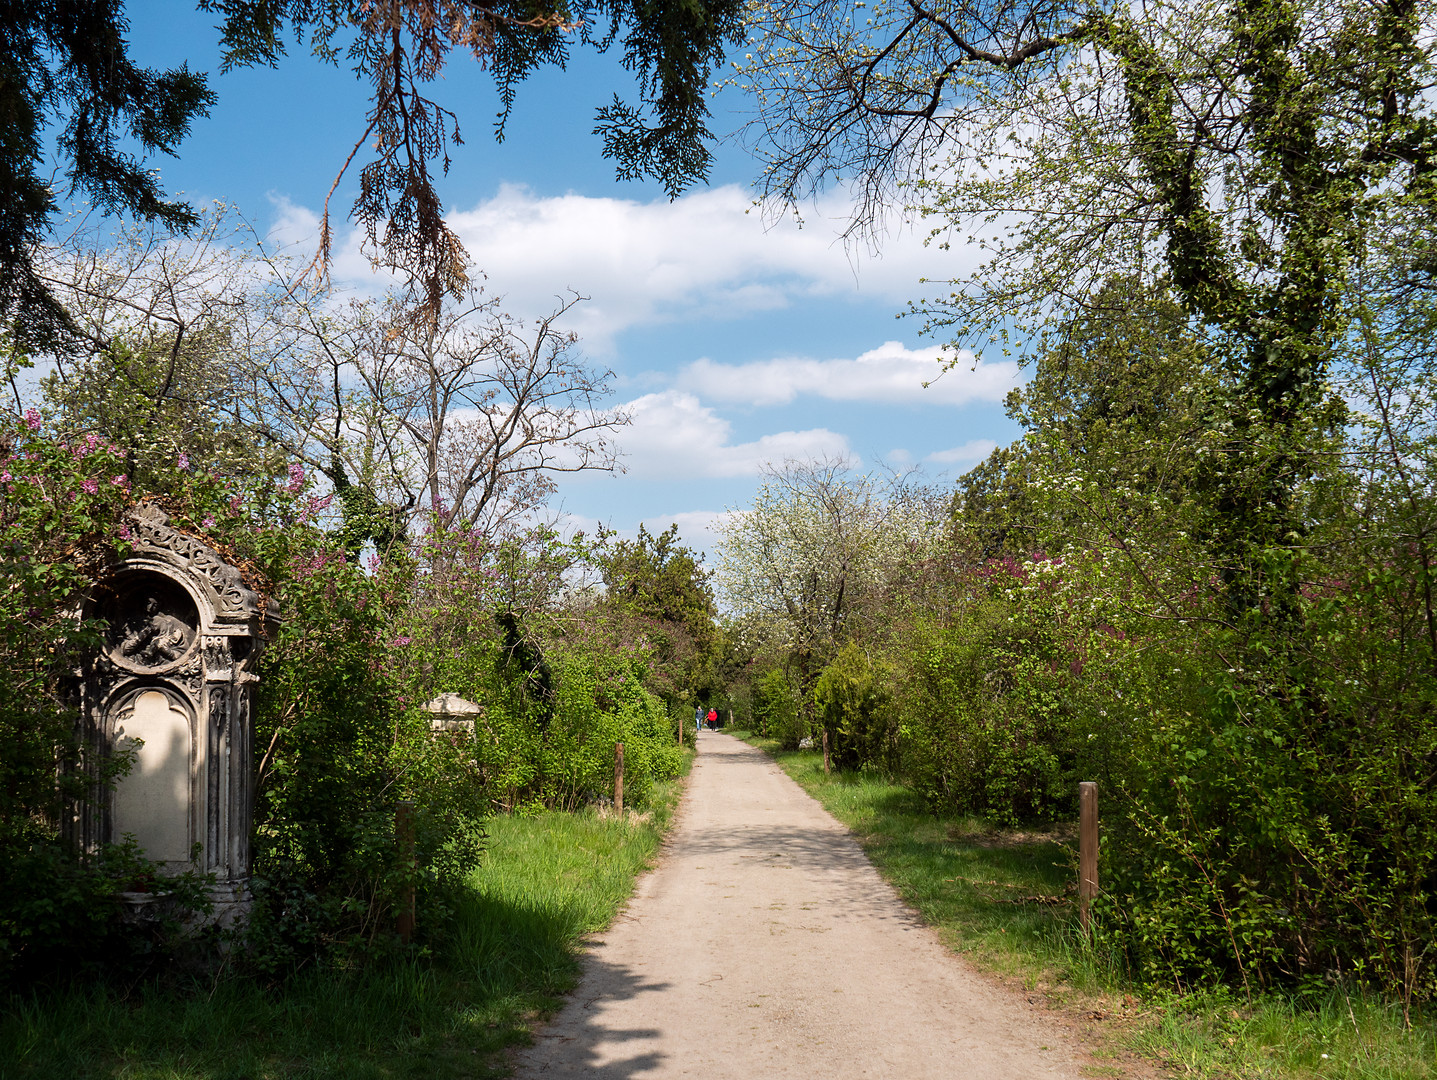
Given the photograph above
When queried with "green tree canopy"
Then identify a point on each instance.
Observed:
(1257, 158)
(1125, 394)
(660, 589)
(69, 63)
(661, 579)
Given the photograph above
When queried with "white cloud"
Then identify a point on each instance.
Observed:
(705, 255)
(698, 529)
(293, 227)
(674, 436)
(708, 255)
(567, 523)
(970, 453)
(890, 374)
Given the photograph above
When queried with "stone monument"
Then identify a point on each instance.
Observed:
(174, 684)
(450, 712)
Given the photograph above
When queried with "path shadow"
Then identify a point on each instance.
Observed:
(831, 869)
(578, 1043)
(820, 850)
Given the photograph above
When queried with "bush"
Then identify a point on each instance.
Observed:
(983, 726)
(775, 710)
(550, 709)
(855, 708)
(338, 746)
(1287, 835)
(60, 520)
(602, 701)
(64, 918)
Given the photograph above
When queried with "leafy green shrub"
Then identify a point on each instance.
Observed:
(1287, 834)
(1264, 774)
(775, 709)
(984, 730)
(855, 708)
(64, 918)
(551, 705)
(601, 701)
(61, 504)
(338, 746)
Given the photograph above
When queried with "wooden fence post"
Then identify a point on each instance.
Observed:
(825, 751)
(404, 838)
(1087, 850)
(619, 776)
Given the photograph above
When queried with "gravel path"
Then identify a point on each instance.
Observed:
(765, 945)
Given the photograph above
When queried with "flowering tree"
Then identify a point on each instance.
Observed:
(806, 567)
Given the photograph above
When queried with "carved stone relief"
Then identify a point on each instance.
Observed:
(151, 531)
(171, 686)
(153, 621)
(218, 659)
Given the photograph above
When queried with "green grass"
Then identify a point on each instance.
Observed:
(546, 881)
(1004, 898)
(1347, 1038)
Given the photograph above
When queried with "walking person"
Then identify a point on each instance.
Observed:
(713, 719)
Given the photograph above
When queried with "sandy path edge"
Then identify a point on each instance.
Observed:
(764, 944)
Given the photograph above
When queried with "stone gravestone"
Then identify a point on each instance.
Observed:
(174, 684)
(450, 712)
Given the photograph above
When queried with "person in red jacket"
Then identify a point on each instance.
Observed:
(713, 719)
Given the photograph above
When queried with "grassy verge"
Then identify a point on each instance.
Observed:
(546, 881)
(1003, 897)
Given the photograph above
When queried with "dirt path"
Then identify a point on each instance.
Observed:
(765, 945)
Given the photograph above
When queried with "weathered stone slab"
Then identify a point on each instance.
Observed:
(450, 712)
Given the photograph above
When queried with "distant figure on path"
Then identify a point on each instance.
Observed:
(698, 718)
(713, 719)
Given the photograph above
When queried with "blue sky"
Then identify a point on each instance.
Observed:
(734, 340)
